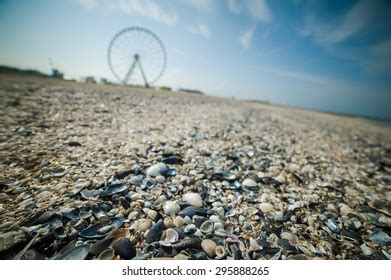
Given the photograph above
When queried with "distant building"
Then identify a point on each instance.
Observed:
(57, 74)
(90, 80)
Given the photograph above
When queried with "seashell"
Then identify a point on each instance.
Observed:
(171, 207)
(344, 209)
(250, 185)
(187, 243)
(172, 235)
(143, 225)
(191, 211)
(292, 238)
(366, 250)
(59, 172)
(224, 176)
(178, 221)
(115, 188)
(136, 180)
(190, 229)
(125, 249)
(79, 252)
(380, 237)
(266, 207)
(152, 214)
(232, 238)
(108, 254)
(90, 194)
(220, 252)
(220, 232)
(101, 230)
(207, 227)
(168, 222)
(155, 232)
(119, 233)
(101, 245)
(193, 199)
(157, 169)
(174, 159)
(332, 225)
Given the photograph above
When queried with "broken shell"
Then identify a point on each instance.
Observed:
(209, 246)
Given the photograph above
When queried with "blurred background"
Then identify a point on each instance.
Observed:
(326, 55)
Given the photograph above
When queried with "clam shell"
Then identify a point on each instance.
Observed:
(172, 235)
(193, 199)
(207, 227)
(266, 207)
(220, 252)
(171, 207)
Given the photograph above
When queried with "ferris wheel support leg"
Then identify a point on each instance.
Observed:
(142, 73)
(127, 76)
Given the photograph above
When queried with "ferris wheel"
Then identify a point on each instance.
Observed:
(136, 56)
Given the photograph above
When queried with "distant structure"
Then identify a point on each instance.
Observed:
(90, 80)
(136, 48)
(55, 72)
(194, 91)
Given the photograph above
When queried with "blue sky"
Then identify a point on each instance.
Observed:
(326, 55)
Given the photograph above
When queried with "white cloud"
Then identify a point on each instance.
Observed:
(256, 9)
(199, 29)
(246, 37)
(147, 8)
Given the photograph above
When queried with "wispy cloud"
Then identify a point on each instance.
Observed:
(256, 9)
(199, 29)
(335, 36)
(246, 37)
(326, 32)
(148, 8)
(200, 5)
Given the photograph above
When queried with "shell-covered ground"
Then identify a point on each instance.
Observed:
(108, 172)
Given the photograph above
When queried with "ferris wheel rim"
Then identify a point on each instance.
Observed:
(140, 29)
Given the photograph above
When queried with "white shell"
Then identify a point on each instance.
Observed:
(193, 199)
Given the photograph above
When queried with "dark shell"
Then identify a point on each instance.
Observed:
(79, 252)
(73, 214)
(102, 229)
(101, 245)
(191, 211)
(155, 232)
(173, 160)
(115, 188)
(125, 249)
(224, 176)
(194, 243)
